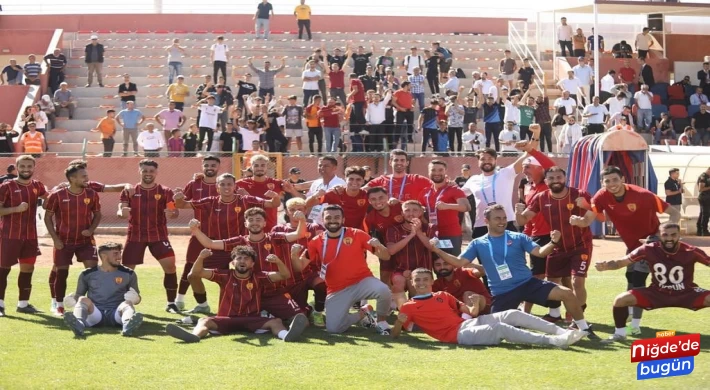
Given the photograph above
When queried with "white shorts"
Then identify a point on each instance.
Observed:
(97, 317)
(291, 133)
(508, 77)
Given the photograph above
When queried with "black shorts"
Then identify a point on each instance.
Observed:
(534, 291)
(538, 264)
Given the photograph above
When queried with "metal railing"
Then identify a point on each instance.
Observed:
(520, 48)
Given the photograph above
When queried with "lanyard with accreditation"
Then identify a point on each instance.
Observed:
(493, 186)
(401, 189)
(433, 213)
(503, 270)
(324, 266)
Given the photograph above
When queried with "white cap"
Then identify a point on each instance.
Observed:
(531, 161)
(94, 37)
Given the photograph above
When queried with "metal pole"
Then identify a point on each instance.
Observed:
(596, 54)
(663, 24)
(538, 43)
(554, 46)
(525, 32)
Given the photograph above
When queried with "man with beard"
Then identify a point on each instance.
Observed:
(224, 217)
(278, 296)
(632, 210)
(463, 283)
(574, 253)
(408, 244)
(382, 215)
(400, 184)
(308, 277)
(18, 209)
(443, 202)
(353, 199)
(340, 254)
(146, 207)
(78, 213)
(240, 303)
(265, 187)
(672, 285)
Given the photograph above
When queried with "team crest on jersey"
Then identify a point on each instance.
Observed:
(267, 247)
(308, 234)
(250, 286)
(118, 279)
(270, 186)
(34, 190)
(361, 202)
(440, 299)
(457, 283)
(87, 201)
(632, 207)
(158, 196)
(398, 219)
(570, 206)
(238, 209)
(348, 240)
(585, 257)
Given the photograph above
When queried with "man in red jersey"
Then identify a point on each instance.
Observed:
(463, 283)
(308, 276)
(78, 213)
(400, 184)
(633, 211)
(340, 254)
(278, 298)
(573, 255)
(202, 186)
(439, 314)
(353, 199)
(381, 217)
(224, 218)
(18, 209)
(241, 291)
(443, 202)
(408, 244)
(672, 285)
(146, 210)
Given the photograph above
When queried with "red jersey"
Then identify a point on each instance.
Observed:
(537, 226)
(337, 79)
(73, 214)
(147, 221)
(446, 222)
(258, 189)
(557, 211)
(437, 314)
(413, 186)
(239, 297)
(96, 186)
(378, 223)
(415, 254)
(634, 216)
(359, 96)
(672, 273)
(463, 280)
(354, 207)
(346, 267)
(312, 230)
(404, 99)
(224, 219)
(330, 117)
(20, 226)
(198, 189)
(271, 244)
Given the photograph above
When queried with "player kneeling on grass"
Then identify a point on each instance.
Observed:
(113, 289)
(440, 315)
(672, 264)
(241, 291)
(463, 283)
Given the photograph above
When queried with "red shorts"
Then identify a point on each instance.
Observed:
(281, 305)
(82, 252)
(228, 325)
(134, 251)
(649, 298)
(14, 251)
(563, 264)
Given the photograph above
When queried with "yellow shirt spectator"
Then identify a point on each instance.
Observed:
(303, 12)
(177, 92)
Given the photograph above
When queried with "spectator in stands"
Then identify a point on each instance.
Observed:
(386, 60)
(526, 74)
(507, 68)
(47, 106)
(151, 141)
(684, 82)
(565, 105)
(208, 120)
(413, 60)
(643, 42)
(579, 42)
(190, 140)
(590, 43)
(63, 99)
(375, 116)
(13, 72)
(245, 88)
(336, 75)
(646, 74)
(417, 81)
(508, 137)
(357, 115)
(127, 91)
(491, 119)
(32, 142)
(94, 58)
(644, 112)
(266, 76)
(7, 148)
(704, 78)
(542, 117)
(11, 169)
(175, 55)
(218, 56)
(627, 74)
(664, 129)
(275, 138)
(451, 86)
(177, 92)
(404, 106)
(454, 115)
(622, 118)
(686, 139)
(56, 62)
(704, 200)
(428, 125)
(432, 70)
(584, 73)
(571, 85)
(596, 115)
(40, 119)
(361, 59)
(698, 97)
(230, 141)
(176, 145)
(170, 119)
(701, 123)
(107, 128)
(622, 50)
(130, 118)
(571, 133)
(315, 131)
(446, 59)
(564, 36)
(607, 83)
(26, 118)
(338, 57)
(263, 11)
(310, 78)
(674, 192)
(223, 100)
(293, 114)
(330, 120)
(32, 70)
(303, 18)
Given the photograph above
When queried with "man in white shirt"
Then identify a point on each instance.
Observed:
(564, 36)
(607, 83)
(508, 137)
(218, 55)
(151, 141)
(623, 118)
(451, 86)
(375, 115)
(473, 139)
(571, 84)
(643, 42)
(571, 133)
(567, 102)
(310, 79)
(485, 85)
(327, 167)
(595, 114)
(617, 103)
(584, 73)
(208, 121)
(644, 114)
(413, 60)
(512, 111)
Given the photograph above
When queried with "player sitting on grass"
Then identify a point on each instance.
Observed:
(241, 290)
(113, 289)
(463, 283)
(672, 263)
(439, 314)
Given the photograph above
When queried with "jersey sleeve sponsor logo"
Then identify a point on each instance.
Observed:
(632, 207)
(348, 241)
(118, 279)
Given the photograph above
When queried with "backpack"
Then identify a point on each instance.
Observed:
(460, 73)
(446, 52)
(407, 59)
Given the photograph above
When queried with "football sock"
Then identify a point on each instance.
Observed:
(184, 283)
(582, 324)
(60, 284)
(2, 303)
(180, 297)
(282, 334)
(52, 281)
(620, 331)
(81, 311)
(128, 312)
(383, 324)
(171, 284)
(555, 312)
(24, 284)
(4, 272)
(635, 322)
(200, 297)
(637, 313)
(620, 314)
(22, 304)
(319, 292)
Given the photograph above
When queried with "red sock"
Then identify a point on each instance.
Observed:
(60, 286)
(3, 281)
(24, 284)
(52, 281)
(620, 314)
(170, 283)
(184, 283)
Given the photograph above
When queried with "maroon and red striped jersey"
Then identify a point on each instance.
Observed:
(239, 297)
(147, 221)
(224, 220)
(20, 226)
(557, 212)
(272, 243)
(258, 189)
(196, 190)
(312, 230)
(73, 213)
(415, 254)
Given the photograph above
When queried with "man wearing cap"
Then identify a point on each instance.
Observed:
(266, 76)
(94, 58)
(177, 92)
(56, 62)
(294, 177)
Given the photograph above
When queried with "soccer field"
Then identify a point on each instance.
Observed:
(40, 352)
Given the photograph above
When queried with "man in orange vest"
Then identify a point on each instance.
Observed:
(33, 141)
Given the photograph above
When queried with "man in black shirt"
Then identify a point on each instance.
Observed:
(227, 141)
(262, 18)
(461, 181)
(245, 88)
(526, 74)
(361, 60)
(674, 192)
(701, 123)
(368, 79)
(127, 91)
(56, 62)
(622, 50)
(11, 174)
(294, 177)
(338, 57)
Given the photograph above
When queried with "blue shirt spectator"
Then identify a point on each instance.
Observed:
(130, 118)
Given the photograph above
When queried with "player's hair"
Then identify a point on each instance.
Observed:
(673, 170)
(148, 162)
(610, 170)
(439, 162)
(414, 202)
(555, 169)
(174, 131)
(421, 270)
(79, 162)
(226, 176)
(243, 250)
(11, 168)
(330, 159)
(355, 170)
(669, 225)
(398, 152)
(490, 209)
(109, 246)
(295, 202)
(25, 157)
(72, 170)
(333, 207)
(254, 211)
(489, 151)
(374, 190)
(211, 158)
(258, 157)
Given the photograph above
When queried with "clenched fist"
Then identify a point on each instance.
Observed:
(205, 253)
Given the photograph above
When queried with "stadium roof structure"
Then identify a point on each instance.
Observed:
(611, 7)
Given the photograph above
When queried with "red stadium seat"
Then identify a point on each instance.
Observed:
(142, 31)
(238, 32)
(676, 92)
(162, 31)
(123, 31)
(219, 31)
(199, 32)
(678, 111)
(180, 31)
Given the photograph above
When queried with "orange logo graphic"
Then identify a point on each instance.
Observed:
(287, 295)
(348, 240)
(361, 202)
(398, 218)
(87, 201)
(585, 257)
(158, 196)
(238, 209)
(570, 206)
(270, 186)
(250, 286)
(267, 247)
(34, 190)
(632, 207)
(118, 279)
